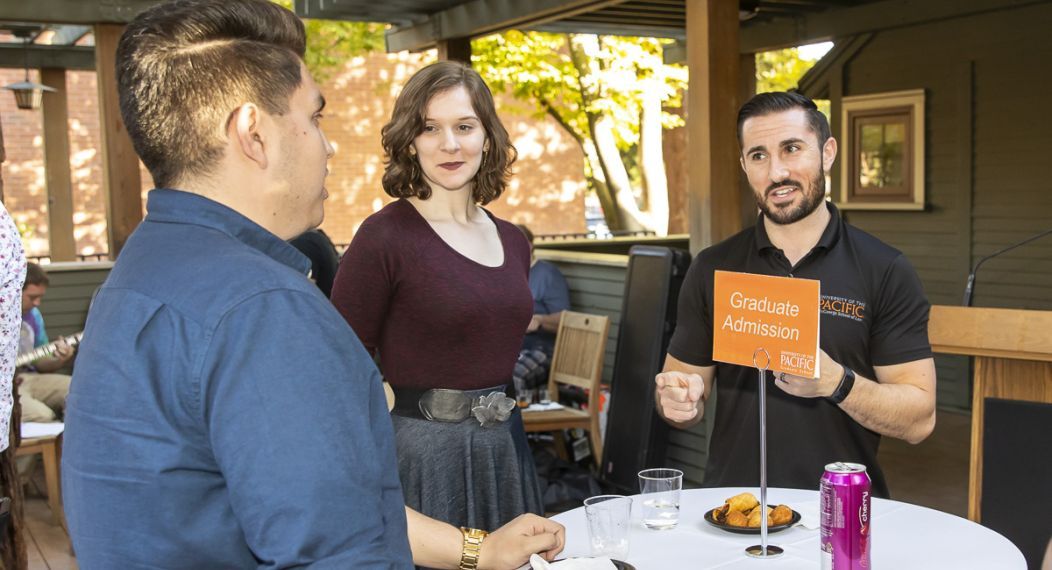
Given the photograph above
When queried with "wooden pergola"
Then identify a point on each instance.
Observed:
(716, 38)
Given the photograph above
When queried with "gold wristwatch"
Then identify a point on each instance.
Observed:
(469, 556)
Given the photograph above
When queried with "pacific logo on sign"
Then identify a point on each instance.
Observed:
(797, 361)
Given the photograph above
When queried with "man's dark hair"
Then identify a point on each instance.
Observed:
(184, 66)
(35, 275)
(403, 177)
(779, 101)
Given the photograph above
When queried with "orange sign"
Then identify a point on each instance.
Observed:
(776, 314)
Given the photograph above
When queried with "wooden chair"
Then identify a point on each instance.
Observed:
(580, 345)
(50, 449)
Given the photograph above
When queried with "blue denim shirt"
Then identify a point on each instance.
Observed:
(222, 414)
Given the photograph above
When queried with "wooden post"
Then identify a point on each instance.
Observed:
(746, 89)
(56, 167)
(455, 49)
(120, 164)
(3, 157)
(712, 108)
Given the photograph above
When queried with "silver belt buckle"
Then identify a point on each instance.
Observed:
(444, 405)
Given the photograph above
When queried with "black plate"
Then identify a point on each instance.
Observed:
(745, 530)
(617, 564)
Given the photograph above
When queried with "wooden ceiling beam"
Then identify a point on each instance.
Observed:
(876, 16)
(481, 17)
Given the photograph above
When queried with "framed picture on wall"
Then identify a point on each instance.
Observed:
(882, 140)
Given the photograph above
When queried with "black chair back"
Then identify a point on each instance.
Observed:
(1016, 498)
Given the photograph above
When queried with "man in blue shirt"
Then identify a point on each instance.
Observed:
(223, 414)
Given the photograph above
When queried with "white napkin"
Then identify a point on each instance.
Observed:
(538, 563)
(35, 429)
(544, 407)
(809, 518)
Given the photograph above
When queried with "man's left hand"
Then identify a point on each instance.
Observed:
(511, 545)
(821, 387)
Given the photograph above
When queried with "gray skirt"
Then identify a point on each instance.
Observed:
(465, 474)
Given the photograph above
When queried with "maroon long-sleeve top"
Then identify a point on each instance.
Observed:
(436, 318)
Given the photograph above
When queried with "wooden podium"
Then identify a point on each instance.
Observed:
(1013, 361)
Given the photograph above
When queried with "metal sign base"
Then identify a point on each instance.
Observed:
(758, 552)
(763, 550)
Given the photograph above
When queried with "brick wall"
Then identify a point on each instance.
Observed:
(546, 192)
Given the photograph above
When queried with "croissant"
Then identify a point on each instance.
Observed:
(719, 514)
(754, 517)
(743, 503)
(780, 515)
(736, 518)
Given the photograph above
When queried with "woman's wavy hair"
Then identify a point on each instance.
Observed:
(403, 177)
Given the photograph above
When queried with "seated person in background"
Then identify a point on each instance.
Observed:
(551, 296)
(42, 393)
(324, 260)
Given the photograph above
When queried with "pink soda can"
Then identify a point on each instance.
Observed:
(845, 511)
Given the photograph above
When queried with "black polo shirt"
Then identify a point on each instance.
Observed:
(873, 313)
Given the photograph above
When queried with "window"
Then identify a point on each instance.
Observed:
(883, 154)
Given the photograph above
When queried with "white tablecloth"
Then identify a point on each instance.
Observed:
(903, 536)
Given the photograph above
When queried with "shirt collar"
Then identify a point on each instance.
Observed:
(829, 236)
(175, 206)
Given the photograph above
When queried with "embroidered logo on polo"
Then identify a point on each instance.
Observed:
(843, 307)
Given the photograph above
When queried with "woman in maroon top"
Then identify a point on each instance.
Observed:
(438, 287)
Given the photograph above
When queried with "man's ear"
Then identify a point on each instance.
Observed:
(829, 153)
(246, 130)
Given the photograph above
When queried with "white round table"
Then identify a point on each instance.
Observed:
(903, 536)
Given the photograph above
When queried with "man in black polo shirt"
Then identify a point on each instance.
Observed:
(877, 373)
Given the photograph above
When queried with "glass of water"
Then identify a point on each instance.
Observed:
(608, 524)
(660, 494)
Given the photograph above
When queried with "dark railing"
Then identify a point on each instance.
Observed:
(80, 257)
(593, 235)
(342, 247)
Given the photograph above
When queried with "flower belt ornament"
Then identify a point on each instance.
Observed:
(493, 408)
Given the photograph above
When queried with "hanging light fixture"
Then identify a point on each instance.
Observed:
(27, 93)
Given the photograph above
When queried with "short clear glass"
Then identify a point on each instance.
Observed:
(609, 519)
(660, 495)
(523, 395)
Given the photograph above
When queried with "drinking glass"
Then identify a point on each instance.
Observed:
(660, 493)
(523, 395)
(609, 517)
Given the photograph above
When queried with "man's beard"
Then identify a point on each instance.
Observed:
(813, 198)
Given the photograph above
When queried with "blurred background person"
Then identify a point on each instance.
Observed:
(551, 296)
(42, 391)
(324, 260)
(13, 260)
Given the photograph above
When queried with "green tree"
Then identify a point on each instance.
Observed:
(331, 43)
(610, 94)
(781, 70)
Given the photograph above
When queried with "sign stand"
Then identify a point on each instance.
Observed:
(763, 550)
